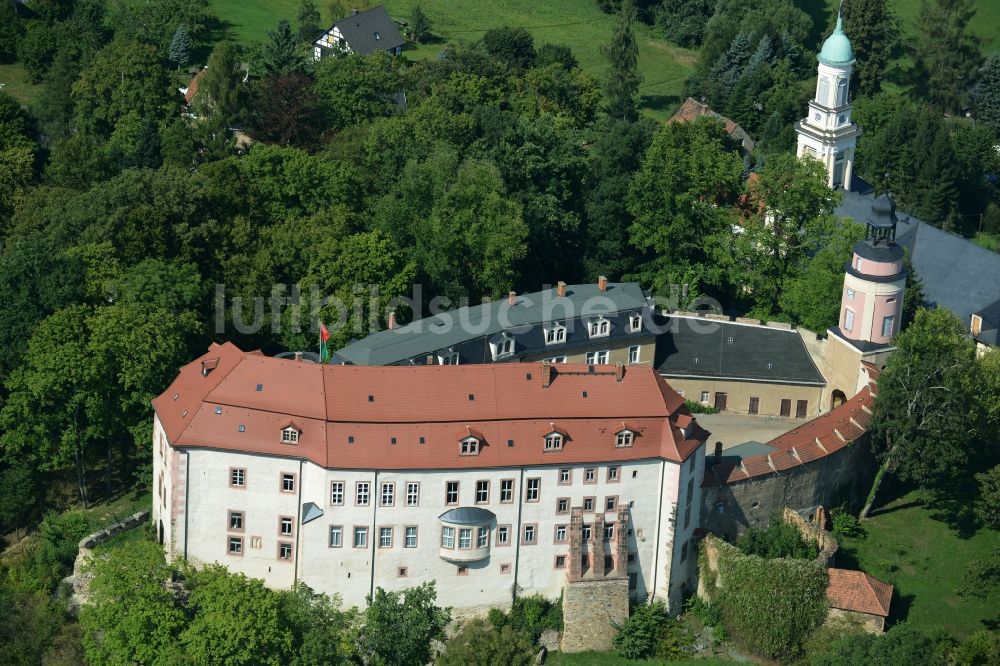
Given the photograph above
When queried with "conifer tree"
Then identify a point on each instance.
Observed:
(281, 52)
(420, 25)
(988, 93)
(946, 53)
(180, 47)
(622, 85)
(873, 29)
(308, 19)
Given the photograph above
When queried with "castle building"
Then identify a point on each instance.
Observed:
(827, 132)
(872, 300)
(490, 479)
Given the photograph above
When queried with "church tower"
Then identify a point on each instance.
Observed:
(872, 302)
(827, 132)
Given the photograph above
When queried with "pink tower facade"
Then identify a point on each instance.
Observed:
(872, 301)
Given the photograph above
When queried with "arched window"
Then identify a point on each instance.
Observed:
(624, 438)
(290, 435)
(553, 441)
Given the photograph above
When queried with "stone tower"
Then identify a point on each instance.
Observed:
(872, 301)
(827, 132)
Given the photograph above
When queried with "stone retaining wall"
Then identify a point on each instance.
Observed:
(79, 581)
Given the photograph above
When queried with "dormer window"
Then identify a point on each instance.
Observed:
(553, 442)
(635, 322)
(470, 446)
(555, 334)
(504, 346)
(289, 435)
(600, 327)
(624, 438)
(448, 357)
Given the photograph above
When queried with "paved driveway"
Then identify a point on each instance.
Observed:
(734, 429)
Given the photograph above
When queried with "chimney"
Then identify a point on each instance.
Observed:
(298, 357)
(392, 320)
(602, 283)
(718, 453)
(619, 372)
(511, 297)
(547, 374)
(560, 288)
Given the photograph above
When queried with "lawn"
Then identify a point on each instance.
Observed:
(924, 558)
(16, 83)
(611, 659)
(578, 24)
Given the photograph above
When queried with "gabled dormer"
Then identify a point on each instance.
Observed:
(290, 433)
(555, 333)
(470, 441)
(599, 327)
(554, 438)
(502, 346)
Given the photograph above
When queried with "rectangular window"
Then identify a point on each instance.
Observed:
(850, 294)
(754, 406)
(465, 538)
(505, 568)
(482, 492)
(287, 482)
(590, 475)
(451, 492)
(411, 536)
(412, 494)
(565, 476)
(503, 535)
(284, 551)
(483, 537)
(553, 442)
(633, 354)
(530, 534)
(588, 532)
(588, 503)
(786, 407)
(597, 358)
(237, 477)
(704, 397)
(531, 490)
(337, 493)
(562, 505)
(235, 545)
(560, 562)
(236, 521)
(687, 516)
(401, 572)
(556, 359)
(361, 493)
(388, 493)
(613, 472)
(560, 534)
(801, 408)
(684, 551)
(624, 438)
(463, 571)
(887, 324)
(611, 503)
(506, 491)
(848, 319)
(336, 536)
(360, 537)
(447, 537)
(690, 491)
(385, 537)
(285, 526)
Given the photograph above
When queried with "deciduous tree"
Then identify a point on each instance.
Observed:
(398, 627)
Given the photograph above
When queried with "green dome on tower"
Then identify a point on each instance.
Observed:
(837, 47)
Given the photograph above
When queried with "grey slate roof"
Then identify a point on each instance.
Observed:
(360, 29)
(990, 328)
(468, 331)
(957, 274)
(702, 348)
(468, 515)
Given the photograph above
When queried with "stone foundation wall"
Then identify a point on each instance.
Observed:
(592, 609)
(843, 477)
(79, 581)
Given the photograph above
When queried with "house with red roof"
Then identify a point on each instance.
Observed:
(856, 596)
(486, 478)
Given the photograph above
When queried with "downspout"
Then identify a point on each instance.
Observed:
(375, 498)
(659, 516)
(187, 498)
(517, 534)
(295, 574)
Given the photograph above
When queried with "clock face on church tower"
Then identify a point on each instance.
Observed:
(817, 117)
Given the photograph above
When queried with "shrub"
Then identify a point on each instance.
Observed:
(710, 614)
(778, 539)
(480, 643)
(846, 525)
(900, 645)
(637, 636)
(533, 615)
(696, 407)
(673, 641)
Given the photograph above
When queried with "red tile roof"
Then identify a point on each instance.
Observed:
(859, 592)
(810, 441)
(349, 415)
